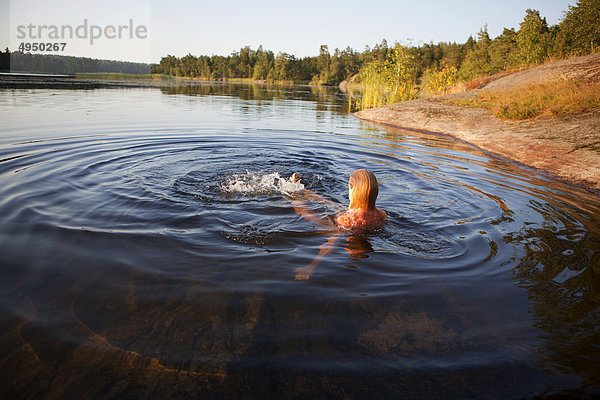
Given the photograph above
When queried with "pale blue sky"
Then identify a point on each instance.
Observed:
(179, 27)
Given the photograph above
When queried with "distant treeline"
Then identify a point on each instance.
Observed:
(46, 63)
(5, 60)
(533, 43)
(263, 64)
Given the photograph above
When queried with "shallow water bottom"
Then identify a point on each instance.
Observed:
(284, 351)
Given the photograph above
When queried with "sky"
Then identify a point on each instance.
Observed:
(179, 27)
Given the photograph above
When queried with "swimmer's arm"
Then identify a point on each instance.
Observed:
(311, 195)
(302, 210)
(304, 273)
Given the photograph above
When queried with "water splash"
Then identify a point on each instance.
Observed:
(252, 184)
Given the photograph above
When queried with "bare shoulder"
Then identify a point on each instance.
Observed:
(361, 219)
(344, 220)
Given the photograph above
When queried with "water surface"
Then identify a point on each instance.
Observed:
(148, 247)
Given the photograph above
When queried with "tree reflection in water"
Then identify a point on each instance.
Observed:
(561, 272)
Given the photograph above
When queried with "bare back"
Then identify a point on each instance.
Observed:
(359, 218)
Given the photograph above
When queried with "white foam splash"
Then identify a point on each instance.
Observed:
(254, 184)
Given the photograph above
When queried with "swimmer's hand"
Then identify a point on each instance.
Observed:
(303, 273)
(295, 177)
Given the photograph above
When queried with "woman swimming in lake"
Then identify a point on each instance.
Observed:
(361, 215)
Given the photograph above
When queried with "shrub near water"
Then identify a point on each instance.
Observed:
(442, 81)
(548, 99)
(389, 80)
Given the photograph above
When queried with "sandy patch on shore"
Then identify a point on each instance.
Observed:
(567, 147)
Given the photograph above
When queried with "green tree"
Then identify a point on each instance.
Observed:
(241, 64)
(350, 63)
(5, 60)
(167, 65)
(533, 38)
(203, 67)
(284, 67)
(264, 63)
(336, 69)
(504, 51)
(477, 61)
(307, 68)
(188, 66)
(323, 61)
(219, 67)
(579, 31)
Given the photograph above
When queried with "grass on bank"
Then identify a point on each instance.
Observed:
(555, 98)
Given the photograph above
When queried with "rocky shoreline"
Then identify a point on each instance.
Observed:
(566, 147)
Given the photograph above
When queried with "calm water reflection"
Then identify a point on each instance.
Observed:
(130, 268)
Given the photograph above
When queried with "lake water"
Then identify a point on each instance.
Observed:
(148, 247)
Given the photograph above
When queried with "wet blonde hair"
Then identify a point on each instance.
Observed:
(364, 189)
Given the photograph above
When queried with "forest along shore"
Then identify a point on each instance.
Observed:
(567, 147)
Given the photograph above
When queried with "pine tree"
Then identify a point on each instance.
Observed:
(579, 31)
(533, 38)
